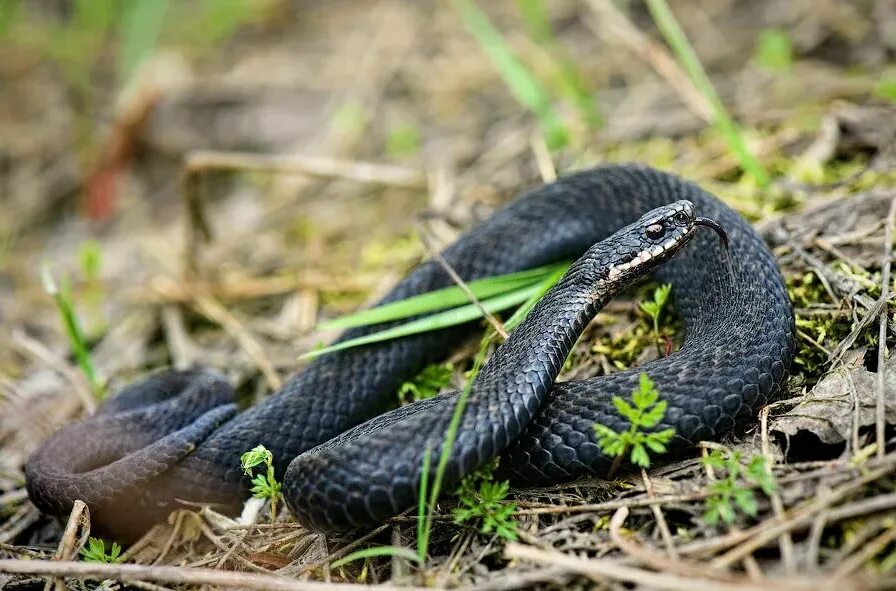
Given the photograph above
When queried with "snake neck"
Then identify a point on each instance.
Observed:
(554, 325)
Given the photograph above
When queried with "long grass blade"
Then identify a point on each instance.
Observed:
(451, 436)
(441, 299)
(569, 80)
(422, 543)
(538, 292)
(453, 317)
(375, 552)
(142, 23)
(525, 88)
(676, 38)
(77, 341)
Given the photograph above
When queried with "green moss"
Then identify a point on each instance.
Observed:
(624, 348)
(820, 330)
(429, 382)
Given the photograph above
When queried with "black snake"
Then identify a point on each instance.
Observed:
(178, 437)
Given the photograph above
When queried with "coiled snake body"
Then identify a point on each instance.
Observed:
(178, 437)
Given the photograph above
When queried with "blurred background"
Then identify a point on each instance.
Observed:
(202, 180)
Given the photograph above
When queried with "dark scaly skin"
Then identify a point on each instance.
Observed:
(738, 346)
(372, 471)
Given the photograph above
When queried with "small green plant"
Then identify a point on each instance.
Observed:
(264, 485)
(654, 308)
(886, 88)
(774, 51)
(645, 412)
(403, 140)
(488, 503)
(96, 552)
(90, 259)
(427, 383)
(63, 298)
(733, 491)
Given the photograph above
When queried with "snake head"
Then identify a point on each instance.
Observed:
(638, 248)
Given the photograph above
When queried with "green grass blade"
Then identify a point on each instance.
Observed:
(142, 22)
(441, 299)
(676, 38)
(570, 81)
(62, 297)
(538, 292)
(375, 552)
(451, 436)
(525, 88)
(433, 322)
(422, 543)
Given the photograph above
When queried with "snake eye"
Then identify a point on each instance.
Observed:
(655, 231)
(680, 218)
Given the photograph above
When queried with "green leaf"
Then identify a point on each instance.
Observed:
(62, 296)
(664, 436)
(541, 288)
(711, 516)
(427, 383)
(646, 394)
(661, 295)
(96, 552)
(655, 445)
(651, 417)
(639, 456)
(625, 409)
(605, 433)
(376, 552)
(746, 500)
(403, 140)
(726, 512)
(421, 504)
(254, 457)
(649, 308)
(713, 460)
(758, 473)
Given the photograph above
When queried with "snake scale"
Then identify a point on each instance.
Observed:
(177, 436)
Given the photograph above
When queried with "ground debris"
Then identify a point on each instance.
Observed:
(840, 404)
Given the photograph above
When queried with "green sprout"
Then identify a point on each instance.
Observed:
(774, 51)
(403, 140)
(886, 88)
(265, 485)
(645, 412)
(654, 308)
(487, 502)
(734, 491)
(61, 294)
(427, 383)
(96, 552)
